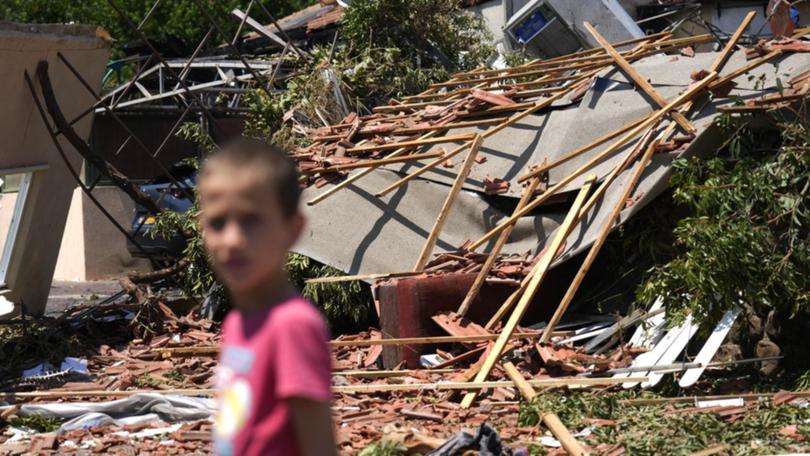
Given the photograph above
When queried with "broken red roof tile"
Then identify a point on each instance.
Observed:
(495, 185)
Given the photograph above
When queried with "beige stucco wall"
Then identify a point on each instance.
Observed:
(92, 248)
(26, 141)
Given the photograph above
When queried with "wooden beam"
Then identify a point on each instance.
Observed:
(481, 278)
(436, 230)
(375, 163)
(721, 59)
(555, 382)
(414, 143)
(587, 54)
(687, 95)
(745, 69)
(638, 79)
(521, 384)
(629, 187)
(354, 278)
(540, 169)
(537, 275)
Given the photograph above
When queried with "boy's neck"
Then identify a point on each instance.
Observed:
(270, 292)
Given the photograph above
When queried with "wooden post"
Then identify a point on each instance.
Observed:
(638, 79)
(653, 118)
(528, 192)
(427, 249)
(537, 276)
(600, 240)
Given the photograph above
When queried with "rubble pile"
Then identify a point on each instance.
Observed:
(153, 377)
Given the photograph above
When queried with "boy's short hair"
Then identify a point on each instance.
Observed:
(282, 171)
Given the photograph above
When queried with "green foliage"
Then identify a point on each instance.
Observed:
(437, 30)
(650, 430)
(39, 423)
(385, 448)
(572, 409)
(344, 303)
(367, 77)
(178, 23)
(747, 237)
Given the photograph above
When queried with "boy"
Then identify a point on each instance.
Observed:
(274, 375)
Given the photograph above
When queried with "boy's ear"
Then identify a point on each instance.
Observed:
(297, 222)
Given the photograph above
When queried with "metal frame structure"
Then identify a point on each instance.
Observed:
(196, 84)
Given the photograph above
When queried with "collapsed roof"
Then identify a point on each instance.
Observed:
(361, 233)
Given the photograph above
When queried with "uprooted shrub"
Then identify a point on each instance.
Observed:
(746, 239)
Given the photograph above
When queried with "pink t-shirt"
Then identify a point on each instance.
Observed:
(267, 357)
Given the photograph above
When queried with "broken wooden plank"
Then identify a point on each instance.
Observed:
(638, 79)
(563, 435)
(537, 275)
(436, 230)
(555, 382)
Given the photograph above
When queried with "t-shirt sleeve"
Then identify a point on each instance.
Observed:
(303, 362)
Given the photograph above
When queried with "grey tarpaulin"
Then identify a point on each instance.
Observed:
(136, 408)
(359, 233)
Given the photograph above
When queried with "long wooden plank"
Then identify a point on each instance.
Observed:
(414, 143)
(579, 151)
(722, 59)
(537, 275)
(368, 163)
(481, 278)
(450, 386)
(640, 81)
(690, 93)
(629, 187)
(354, 278)
(436, 230)
(521, 384)
(745, 68)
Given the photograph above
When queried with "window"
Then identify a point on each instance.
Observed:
(14, 188)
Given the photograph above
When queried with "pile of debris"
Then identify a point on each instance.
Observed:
(489, 367)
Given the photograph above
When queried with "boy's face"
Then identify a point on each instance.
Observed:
(244, 229)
